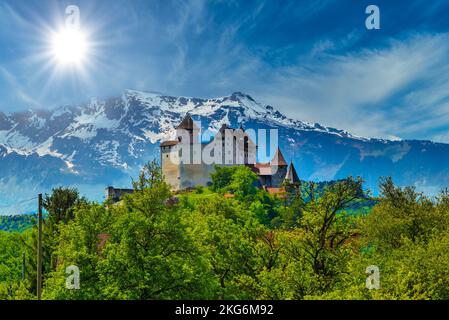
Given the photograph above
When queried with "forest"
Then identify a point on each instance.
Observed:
(233, 240)
(20, 222)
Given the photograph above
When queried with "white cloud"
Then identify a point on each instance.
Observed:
(393, 91)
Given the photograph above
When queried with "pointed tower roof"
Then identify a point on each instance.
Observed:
(278, 159)
(187, 123)
(291, 175)
(224, 127)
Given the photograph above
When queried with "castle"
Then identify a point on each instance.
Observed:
(188, 161)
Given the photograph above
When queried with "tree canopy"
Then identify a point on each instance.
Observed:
(155, 244)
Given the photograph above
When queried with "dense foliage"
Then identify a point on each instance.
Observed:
(206, 244)
(17, 223)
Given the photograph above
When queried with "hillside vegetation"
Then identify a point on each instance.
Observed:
(17, 223)
(207, 244)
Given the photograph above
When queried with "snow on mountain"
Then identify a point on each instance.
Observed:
(153, 116)
(105, 142)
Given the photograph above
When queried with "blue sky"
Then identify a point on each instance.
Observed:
(313, 60)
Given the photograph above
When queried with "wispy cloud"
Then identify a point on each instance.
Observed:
(292, 55)
(397, 90)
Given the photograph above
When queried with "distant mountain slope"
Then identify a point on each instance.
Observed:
(17, 223)
(105, 142)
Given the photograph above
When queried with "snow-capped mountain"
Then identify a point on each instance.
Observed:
(105, 143)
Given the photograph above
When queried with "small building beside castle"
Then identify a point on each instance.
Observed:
(114, 194)
(187, 161)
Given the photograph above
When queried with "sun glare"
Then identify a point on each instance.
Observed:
(69, 46)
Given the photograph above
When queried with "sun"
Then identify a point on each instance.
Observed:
(69, 47)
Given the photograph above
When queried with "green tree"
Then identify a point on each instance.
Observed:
(227, 234)
(81, 243)
(221, 177)
(243, 183)
(60, 204)
(150, 254)
(403, 214)
(150, 176)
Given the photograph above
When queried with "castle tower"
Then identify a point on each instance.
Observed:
(181, 158)
(187, 131)
(235, 147)
(291, 177)
(188, 135)
(224, 142)
(170, 163)
(278, 168)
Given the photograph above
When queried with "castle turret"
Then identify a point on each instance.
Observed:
(278, 168)
(278, 159)
(291, 177)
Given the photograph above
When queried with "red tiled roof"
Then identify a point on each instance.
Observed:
(280, 192)
(265, 171)
(262, 165)
(272, 190)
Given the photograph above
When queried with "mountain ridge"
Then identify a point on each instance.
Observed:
(105, 142)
